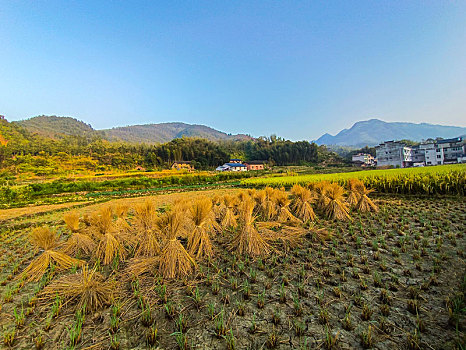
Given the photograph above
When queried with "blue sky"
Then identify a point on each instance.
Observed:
(297, 69)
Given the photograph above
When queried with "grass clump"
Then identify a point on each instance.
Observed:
(44, 239)
(87, 289)
(174, 259)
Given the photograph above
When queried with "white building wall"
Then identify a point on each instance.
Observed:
(394, 154)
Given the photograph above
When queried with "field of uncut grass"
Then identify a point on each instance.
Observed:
(443, 179)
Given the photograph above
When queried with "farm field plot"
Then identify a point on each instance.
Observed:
(444, 179)
(239, 269)
(6, 214)
(64, 190)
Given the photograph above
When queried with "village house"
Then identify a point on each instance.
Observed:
(363, 159)
(255, 165)
(239, 161)
(232, 167)
(183, 165)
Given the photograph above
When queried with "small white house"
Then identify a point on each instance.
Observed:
(363, 159)
(232, 167)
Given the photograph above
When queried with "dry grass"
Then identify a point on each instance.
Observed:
(145, 215)
(290, 236)
(302, 199)
(358, 196)
(71, 219)
(43, 238)
(320, 234)
(148, 244)
(248, 240)
(283, 208)
(79, 243)
(229, 218)
(174, 259)
(38, 267)
(111, 236)
(336, 207)
(365, 203)
(353, 191)
(7, 214)
(266, 202)
(203, 223)
(141, 266)
(321, 189)
(102, 220)
(109, 246)
(147, 231)
(121, 209)
(87, 289)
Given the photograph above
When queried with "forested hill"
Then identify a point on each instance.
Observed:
(165, 132)
(53, 127)
(22, 151)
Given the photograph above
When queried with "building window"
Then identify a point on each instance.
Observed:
(439, 156)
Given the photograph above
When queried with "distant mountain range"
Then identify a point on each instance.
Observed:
(374, 131)
(364, 133)
(54, 127)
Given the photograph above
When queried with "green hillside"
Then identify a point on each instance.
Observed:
(53, 126)
(165, 132)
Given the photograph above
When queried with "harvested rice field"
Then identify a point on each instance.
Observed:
(315, 267)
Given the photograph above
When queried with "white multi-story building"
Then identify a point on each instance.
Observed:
(395, 154)
(398, 155)
(448, 151)
(452, 150)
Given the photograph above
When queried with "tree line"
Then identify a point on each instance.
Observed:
(92, 152)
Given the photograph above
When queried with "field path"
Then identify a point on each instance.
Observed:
(7, 214)
(89, 207)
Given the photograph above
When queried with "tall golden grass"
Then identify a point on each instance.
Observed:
(321, 189)
(110, 235)
(255, 223)
(71, 219)
(248, 240)
(78, 242)
(101, 220)
(336, 207)
(46, 240)
(203, 223)
(302, 203)
(109, 246)
(353, 192)
(358, 196)
(147, 230)
(174, 259)
(284, 214)
(87, 288)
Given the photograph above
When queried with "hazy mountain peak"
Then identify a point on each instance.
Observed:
(374, 131)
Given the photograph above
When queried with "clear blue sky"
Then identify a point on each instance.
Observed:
(297, 69)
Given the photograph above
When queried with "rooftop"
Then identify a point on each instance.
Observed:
(455, 139)
(235, 165)
(256, 162)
